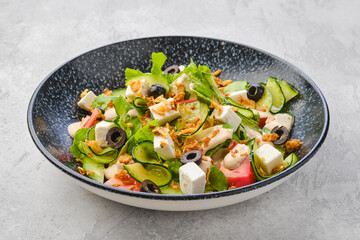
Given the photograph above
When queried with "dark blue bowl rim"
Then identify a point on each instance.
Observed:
(120, 191)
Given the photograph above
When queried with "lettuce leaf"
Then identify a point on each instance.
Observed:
(102, 101)
(236, 86)
(80, 136)
(158, 60)
(174, 165)
(131, 73)
(217, 179)
(122, 107)
(204, 84)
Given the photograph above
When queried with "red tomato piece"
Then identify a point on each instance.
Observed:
(241, 176)
(126, 183)
(262, 122)
(187, 101)
(92, 120)
(232, 145)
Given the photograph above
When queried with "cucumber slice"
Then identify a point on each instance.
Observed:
(278, 96)
(160, 175)
(291, 160)
(119, 92)
(169, 190)
(190, 112)
(104, 159)
(90, 135)
(288, 91)
(244, 111)
(151, 79)
(266, 101)
(97, 169)
(140, 103)
(143, 152)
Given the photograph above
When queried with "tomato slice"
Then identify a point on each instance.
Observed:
(92, 120)
(241, 176)
(262, 122)
(187, 101)
(232, 145)
(126, 183)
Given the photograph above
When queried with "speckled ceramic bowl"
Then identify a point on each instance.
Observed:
(53, 107)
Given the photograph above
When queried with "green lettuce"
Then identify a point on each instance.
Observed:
(102, 101)
(80, 136)
(174, 165)
(122, 107)
(131, 73)
(212, 151)
(217, 180)
(204, 83)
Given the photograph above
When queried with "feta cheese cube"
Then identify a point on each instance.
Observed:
(113, 169)
(205, 164)
(164, 146)
(110, 114)
(144, 89)
(235, 96)
(227, 115)
(280, 119)
(181, 68)
(165, 111)
(192, 179)
(86, 101)
(269, 158)
(101, 130)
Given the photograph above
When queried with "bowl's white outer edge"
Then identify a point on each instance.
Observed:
(180, 205)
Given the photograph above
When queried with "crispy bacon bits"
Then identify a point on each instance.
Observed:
(81, 170)
(293, 144)
(219, 82)
(191, 144)
(270, 137)
(217, 106)
(174, 185)
(125, 158)
(206, 141)
(107, 92)
(247, 103)
(83, 94)
(94, 145)
(161, 131)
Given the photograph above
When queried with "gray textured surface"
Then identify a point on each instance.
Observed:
(320, 37)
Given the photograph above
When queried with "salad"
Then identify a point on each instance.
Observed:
(184, 131)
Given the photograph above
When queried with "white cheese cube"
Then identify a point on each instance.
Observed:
(228, 116)
(235, 96)
(192, 179)
(86, 101)
(280, 119)
(101, 129)
(164, 147)
(181, 68)
(157, 111)
(269, 158)
(144, 89)
(110, 114)
(205, 164)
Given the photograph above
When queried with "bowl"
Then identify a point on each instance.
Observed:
(53, 107)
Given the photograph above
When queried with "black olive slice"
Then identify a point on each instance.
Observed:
(116, 137)
(149, 187)
(255, 92)
(157, 90)
(283, 134)
(191, 156)
(172, 69)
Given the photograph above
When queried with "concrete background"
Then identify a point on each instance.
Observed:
(322, 201)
